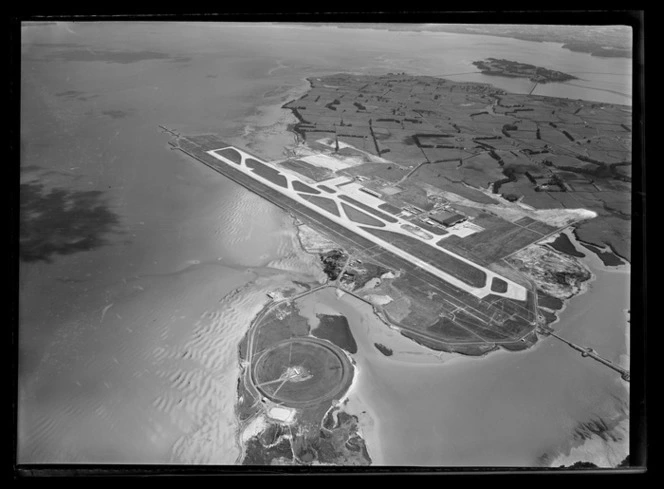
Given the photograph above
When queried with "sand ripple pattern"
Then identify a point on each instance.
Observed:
(293, 258)
(202, 377)
(244, 216)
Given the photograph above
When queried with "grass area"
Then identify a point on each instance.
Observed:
(327, 189)
(413, 195)
(385, 171)
(389, 208)
(504, 307)
(498, 285)
(498, 239)
(280, 324)
(231, 154)
(488, 331)
(301, 187)
(438, 345)
(432, 229)
(267, 172)
(324, 203)
(411, 116)
(429, 174)
(448, 330)
(360, 217)
(459, 269)
(541, 227)
(525, 221)
(316, 173)
(322, 369)
(549, 302)
(336, 330)
(368, 209)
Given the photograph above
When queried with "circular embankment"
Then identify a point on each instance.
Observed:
(300, 372)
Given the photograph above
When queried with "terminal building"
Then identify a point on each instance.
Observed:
(446, 218)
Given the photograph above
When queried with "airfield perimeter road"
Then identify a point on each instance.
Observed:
(422, 280)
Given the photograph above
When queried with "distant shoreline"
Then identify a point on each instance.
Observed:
(598, 49)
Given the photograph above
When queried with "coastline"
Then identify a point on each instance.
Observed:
(267, 131)
(369, 423)
(609, 446)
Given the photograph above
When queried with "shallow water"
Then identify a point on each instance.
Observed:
(506, 409)
(127, 351)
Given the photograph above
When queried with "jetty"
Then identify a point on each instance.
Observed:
(587, 352)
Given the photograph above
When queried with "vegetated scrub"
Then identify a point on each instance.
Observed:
(459, 269)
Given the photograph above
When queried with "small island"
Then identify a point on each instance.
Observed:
(383, 349)
(514, 69)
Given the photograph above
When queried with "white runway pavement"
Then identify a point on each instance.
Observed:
(514, 290)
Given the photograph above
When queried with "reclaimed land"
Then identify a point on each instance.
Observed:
(513, 319)
(459, 269)
(498, 240)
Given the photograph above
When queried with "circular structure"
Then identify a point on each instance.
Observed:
(301, 371)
